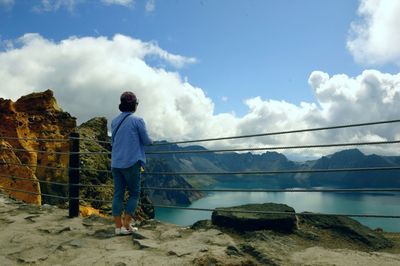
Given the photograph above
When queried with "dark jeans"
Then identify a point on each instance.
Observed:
(126, 178)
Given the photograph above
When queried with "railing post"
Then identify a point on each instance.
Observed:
(74, 175)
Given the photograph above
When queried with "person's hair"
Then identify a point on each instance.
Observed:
(127, 107)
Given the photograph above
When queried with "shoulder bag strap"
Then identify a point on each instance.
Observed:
(116, 130)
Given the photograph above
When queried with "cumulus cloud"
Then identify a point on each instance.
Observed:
(375, 39)
(88, 74)
(150, 5)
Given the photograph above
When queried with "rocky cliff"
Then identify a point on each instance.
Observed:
(25, 123)
(34, 141)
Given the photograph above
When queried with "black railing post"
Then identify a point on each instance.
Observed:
(74, 175)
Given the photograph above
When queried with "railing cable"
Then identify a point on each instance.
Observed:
(284, 213)
(278, 171)
(35, 151)
(34, 193)
(279, 190)
(278, 148)
(255, 212)
(281, 132)
(35, 139)
(272, 172)
(222, 150)
(35, 165)
(262, 134)
(257, 190)
(35, 180)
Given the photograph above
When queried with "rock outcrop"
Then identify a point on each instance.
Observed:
(27, 125)
(349, 228)
(240, 221)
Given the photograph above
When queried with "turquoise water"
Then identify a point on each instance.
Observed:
(324, 202)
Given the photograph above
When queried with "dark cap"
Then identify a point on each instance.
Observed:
(128, 97)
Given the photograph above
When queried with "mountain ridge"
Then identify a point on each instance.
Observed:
(274, 161)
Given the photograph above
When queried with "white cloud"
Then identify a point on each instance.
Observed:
(224, 98)
(7, 3)
(55, 5)
(88, 74)
(150, 5)
(70, 5)
(375, 39)
(127, 3)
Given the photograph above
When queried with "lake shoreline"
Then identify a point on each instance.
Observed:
(323, 202)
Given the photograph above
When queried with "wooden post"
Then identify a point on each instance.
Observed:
(74, 175)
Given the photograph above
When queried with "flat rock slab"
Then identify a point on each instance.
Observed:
(276, 220)
(145, 243)
(55, 230)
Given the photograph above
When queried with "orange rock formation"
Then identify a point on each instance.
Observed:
(23, 123)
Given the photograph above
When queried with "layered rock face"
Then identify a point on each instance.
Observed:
(33, 117)
(10, 173)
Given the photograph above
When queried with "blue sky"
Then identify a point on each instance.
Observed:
(249, 58)
(244, 48)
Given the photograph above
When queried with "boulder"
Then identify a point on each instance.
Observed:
(240, 221)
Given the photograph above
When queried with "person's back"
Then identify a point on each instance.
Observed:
(128, 144)
(129, 135)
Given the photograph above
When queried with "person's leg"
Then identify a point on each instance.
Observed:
(119, 192)
(132, 177)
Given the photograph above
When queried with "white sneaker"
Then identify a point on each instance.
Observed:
(132, 228)
(122, 231)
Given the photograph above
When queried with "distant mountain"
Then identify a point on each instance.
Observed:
(353, 159)
(272, 161)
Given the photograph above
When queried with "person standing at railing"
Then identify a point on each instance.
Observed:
(129, 135)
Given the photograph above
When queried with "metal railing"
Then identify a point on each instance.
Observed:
(74, 169)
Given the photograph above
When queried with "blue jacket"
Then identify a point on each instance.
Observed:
(128, 142)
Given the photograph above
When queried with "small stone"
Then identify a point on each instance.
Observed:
(145, 243)
(202, 224)
(104, 233)
(232, 251)
(204, 250)
(93, 220)
(170, 234)
(78, 243)
(136, 235)
(30, 218)
(55, 230)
